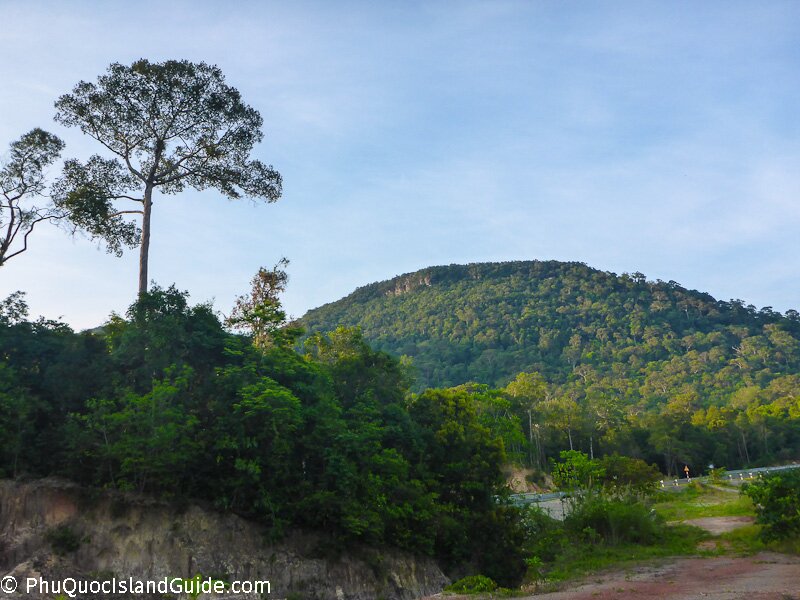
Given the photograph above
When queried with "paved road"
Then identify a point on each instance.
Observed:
(553, 502)
(731, 476)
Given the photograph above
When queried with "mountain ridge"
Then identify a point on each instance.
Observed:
(526, 314)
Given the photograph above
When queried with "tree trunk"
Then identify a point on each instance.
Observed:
(530, 438)
(144, 249)
(746, 452)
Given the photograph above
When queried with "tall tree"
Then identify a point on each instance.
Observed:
(260, 313)
(528, 391)
(168, 125)
(22, 181)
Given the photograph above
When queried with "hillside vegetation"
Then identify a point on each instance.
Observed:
(166, 402)
(645, 368)
(584, 376)
(487, 322)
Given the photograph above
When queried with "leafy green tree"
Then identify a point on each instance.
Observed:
(360, 374)
(168, 125)
(575, 470)
(777, 500)
(564, 414)
(147, 440)
(256, 447)
(260, 313)
(528, 391)
(461, 463)
(22, 183)
(162, 330)
(13, 309)
(671, 433)
(620, 471)
(496, 414)
(16, 424)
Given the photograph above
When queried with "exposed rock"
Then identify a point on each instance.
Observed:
(53, 529)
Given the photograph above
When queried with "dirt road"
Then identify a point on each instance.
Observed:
(765, 576)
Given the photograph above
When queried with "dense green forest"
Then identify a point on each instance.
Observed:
(320, 429)
(168, 401)
(610, 363)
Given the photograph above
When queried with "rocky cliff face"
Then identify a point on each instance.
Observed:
(54, 529)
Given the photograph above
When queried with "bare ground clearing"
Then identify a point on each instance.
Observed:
(764, 576)
(719, 525)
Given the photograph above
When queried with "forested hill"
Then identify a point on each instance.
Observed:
(486, 322)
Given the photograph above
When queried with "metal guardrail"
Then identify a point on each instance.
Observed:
(734, 476)
(533, 498)
(738, 475)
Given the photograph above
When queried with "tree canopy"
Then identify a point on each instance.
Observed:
(165, 401)
(166, 126)
(591, 361)
(22, 185)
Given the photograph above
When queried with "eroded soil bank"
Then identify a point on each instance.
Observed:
(55, 529)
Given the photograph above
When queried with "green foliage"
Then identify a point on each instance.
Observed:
(260, 313)
(499, 319)
(22, 183)
(717, 475)
(581, 558)
(603, 528)
(144, 440)
(632, 472)
(167, 126)
(614, 519)
(576, 471)
(777, 500)
(63, 539)
(593, 361)
(699, 501)
(545, 537)
(473, 584)
(166, 402)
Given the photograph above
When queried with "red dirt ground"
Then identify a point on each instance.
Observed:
(765, 576)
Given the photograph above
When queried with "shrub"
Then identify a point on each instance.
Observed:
(576, 470)
(614, 520)
(777, 500)
(474, 584)
(63, 539)
(717, 475)
(501, 553)
(623, 471)
(545, 537)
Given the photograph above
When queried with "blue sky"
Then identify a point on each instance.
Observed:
(632, 136)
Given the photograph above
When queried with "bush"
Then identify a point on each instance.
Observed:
(614, 520)
(717, 475)
(545, 537)
(63, 540)
(474, 584)
(576, 470)
(777, 500)
(501, 552)
(623, 471)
